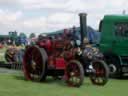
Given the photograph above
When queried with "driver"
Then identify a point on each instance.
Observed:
(89, 51)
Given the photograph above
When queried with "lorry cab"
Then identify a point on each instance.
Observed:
(114, 43)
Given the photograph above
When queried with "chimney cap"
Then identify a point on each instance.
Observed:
(82, 14)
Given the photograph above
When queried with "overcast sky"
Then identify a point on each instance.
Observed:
(49, 15)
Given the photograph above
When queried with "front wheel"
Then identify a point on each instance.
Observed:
(100, 72)
(75, 73)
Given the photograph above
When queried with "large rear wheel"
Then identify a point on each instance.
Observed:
(34, 63)
(75, 73)
(100, 72)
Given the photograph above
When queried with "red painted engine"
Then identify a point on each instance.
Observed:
(52, 58)
(58, 51)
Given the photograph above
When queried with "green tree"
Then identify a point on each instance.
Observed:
(22, 35)
(32, 35)
(13, 35)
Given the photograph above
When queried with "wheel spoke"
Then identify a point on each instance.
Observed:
(75, 74)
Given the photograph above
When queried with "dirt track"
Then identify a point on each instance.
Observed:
(4, 70)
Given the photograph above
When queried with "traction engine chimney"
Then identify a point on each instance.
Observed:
(83, 26)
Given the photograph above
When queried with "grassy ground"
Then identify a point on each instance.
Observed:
(15, 85)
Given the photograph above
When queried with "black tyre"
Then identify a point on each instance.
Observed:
(45, 60)
(100, 72)
(75, 73)
(114, 66)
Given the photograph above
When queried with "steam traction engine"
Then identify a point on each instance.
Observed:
(53, 58)
(59, 58)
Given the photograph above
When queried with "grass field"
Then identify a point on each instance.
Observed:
(14, 84)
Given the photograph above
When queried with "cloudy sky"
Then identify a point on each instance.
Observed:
(49, 15)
